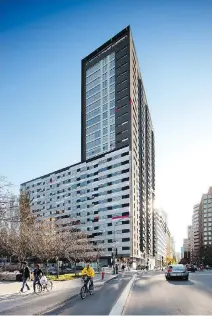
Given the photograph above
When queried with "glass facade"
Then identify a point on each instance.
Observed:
(100, 107)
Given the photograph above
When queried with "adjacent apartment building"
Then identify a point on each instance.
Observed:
(168, 243)
(186, 247)
(205, 219)
(195, 241)
(159, 228)
(111, 192)
(200, 232)
(190, 236)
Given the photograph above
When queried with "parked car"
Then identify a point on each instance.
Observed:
(11, 267)
(191, 268)
(52, 271)
(141, 267)
(67, 270)
(195, 267)
(176, 271)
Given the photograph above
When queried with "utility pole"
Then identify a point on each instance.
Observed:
(115, 247)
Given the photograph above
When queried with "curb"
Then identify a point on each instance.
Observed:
(60, 305)
(118, 308)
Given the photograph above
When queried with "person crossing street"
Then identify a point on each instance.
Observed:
(25, 276)
(37, 275)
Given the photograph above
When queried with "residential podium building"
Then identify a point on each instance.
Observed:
(116, 175)
(88, 195)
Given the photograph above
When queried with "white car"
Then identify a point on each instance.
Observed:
(177, 271)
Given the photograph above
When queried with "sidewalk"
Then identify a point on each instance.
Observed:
(10, 289)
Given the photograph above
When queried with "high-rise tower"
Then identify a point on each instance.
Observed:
(116, 178)
(115, 114)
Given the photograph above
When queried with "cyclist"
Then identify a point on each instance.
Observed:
(37, 275)
(89, 271)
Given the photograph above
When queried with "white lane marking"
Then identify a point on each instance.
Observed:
(200, 274)
(120, 304)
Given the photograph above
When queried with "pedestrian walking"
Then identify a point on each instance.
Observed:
(117, 268)
(25, 276)
(37, 275)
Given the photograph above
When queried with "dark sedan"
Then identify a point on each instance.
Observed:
(191, 268)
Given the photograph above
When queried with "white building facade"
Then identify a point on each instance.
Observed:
(90, 194)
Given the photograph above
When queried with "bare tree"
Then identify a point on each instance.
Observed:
(78, 246)
(99, 249)
(5, 249)
(43, 239)
(26, 215)
(20, 244)
(49, 243)
(19, 241)
(75, 243)
(8, 203)
(8, 214)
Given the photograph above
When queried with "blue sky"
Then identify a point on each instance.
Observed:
(42, 44)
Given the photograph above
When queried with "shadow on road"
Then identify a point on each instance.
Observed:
(180, 282)
(160, 297)
(100, 303)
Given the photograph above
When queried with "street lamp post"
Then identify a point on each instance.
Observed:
(115, 248)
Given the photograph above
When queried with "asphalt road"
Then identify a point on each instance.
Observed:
(100, 303)
(150, 295)
(153, 295)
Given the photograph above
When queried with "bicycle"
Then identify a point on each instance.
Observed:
(41, 287)
(85, 289)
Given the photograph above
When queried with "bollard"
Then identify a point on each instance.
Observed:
(103, 275)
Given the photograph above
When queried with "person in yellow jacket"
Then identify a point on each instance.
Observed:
(89, 271)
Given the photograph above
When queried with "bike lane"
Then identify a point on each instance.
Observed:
(100, 303)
